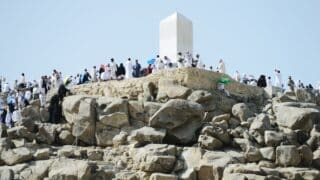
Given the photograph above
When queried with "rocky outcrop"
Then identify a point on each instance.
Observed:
(173, 124)
(181, 118)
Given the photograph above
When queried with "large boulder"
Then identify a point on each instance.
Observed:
(16, 156)
(105, 134)
(71, 169)
(296, 116)
(113, 112)
(47, 134)
(181, 118)
(146, 135)
(154, 158)
(288, 155)
(242, 111)
(170, 89)
(20, 132)
(209, 143)
(83, 117)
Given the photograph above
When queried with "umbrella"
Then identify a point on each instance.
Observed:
(224, 80)
(151, 61)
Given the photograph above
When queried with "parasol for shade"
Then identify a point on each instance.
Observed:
(224, 80)
(151, 61)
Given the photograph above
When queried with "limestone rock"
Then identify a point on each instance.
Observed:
(268, 153)
(16, 156)
(6, 174)
(84, 122)
(42, 154)
(168, 88)
(242, 111)
(154, 158)
(287, 156)
(71, 169)
(20, 132)
(181, 118)
(146, 135)
(66, 137)
(113, 112)
(3, 130)
(95, 155)
(306, 155)
(217, 132)
(136, 110)
(161, 176)
(105, 134)
(296, 117)
(120, 139)
(273, 138)
(200, 96)
(209, 143)
(47, 134)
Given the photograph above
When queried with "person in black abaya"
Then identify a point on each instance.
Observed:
(262, 82)
(55, 107)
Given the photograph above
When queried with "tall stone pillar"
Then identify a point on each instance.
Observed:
(176, 35)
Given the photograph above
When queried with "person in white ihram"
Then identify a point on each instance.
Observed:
(188, 59)
(129, 69)
(113, 69)
(180, 60)
(278, 79)
(199, 62)
(222, 67)
(237, 76)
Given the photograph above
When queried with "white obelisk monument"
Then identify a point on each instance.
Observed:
(176, 35)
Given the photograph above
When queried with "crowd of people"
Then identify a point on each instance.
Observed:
(14, 98)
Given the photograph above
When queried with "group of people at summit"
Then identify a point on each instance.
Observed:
(14, 98)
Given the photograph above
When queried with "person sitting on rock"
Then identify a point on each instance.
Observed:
(121, 72)
(86, 76)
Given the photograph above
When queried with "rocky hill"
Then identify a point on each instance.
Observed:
(173, 124)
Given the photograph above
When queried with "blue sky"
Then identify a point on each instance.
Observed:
(252, 36)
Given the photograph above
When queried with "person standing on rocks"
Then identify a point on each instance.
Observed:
(188, 60)
(237, 76)
(55, 107)
(167, 62)
(199, 62)
(94, 74)
(23, 82)
(113, 69)
(269, 82)
(180, 60)
(137, 69)
(291, 84)
(129, 69)
(278, 78)
(222, 67)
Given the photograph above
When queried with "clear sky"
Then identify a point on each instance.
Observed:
(252, 36)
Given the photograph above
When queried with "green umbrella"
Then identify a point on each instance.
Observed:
(224, 80)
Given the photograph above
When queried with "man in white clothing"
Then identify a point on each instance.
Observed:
(199, 62)
(237, 76)
(188, 60)
(180, 60)
(167, 62)
(269, 82)
(94, 74)
(113, 69)
(222, 67)
(278, 78)
(129, 69)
